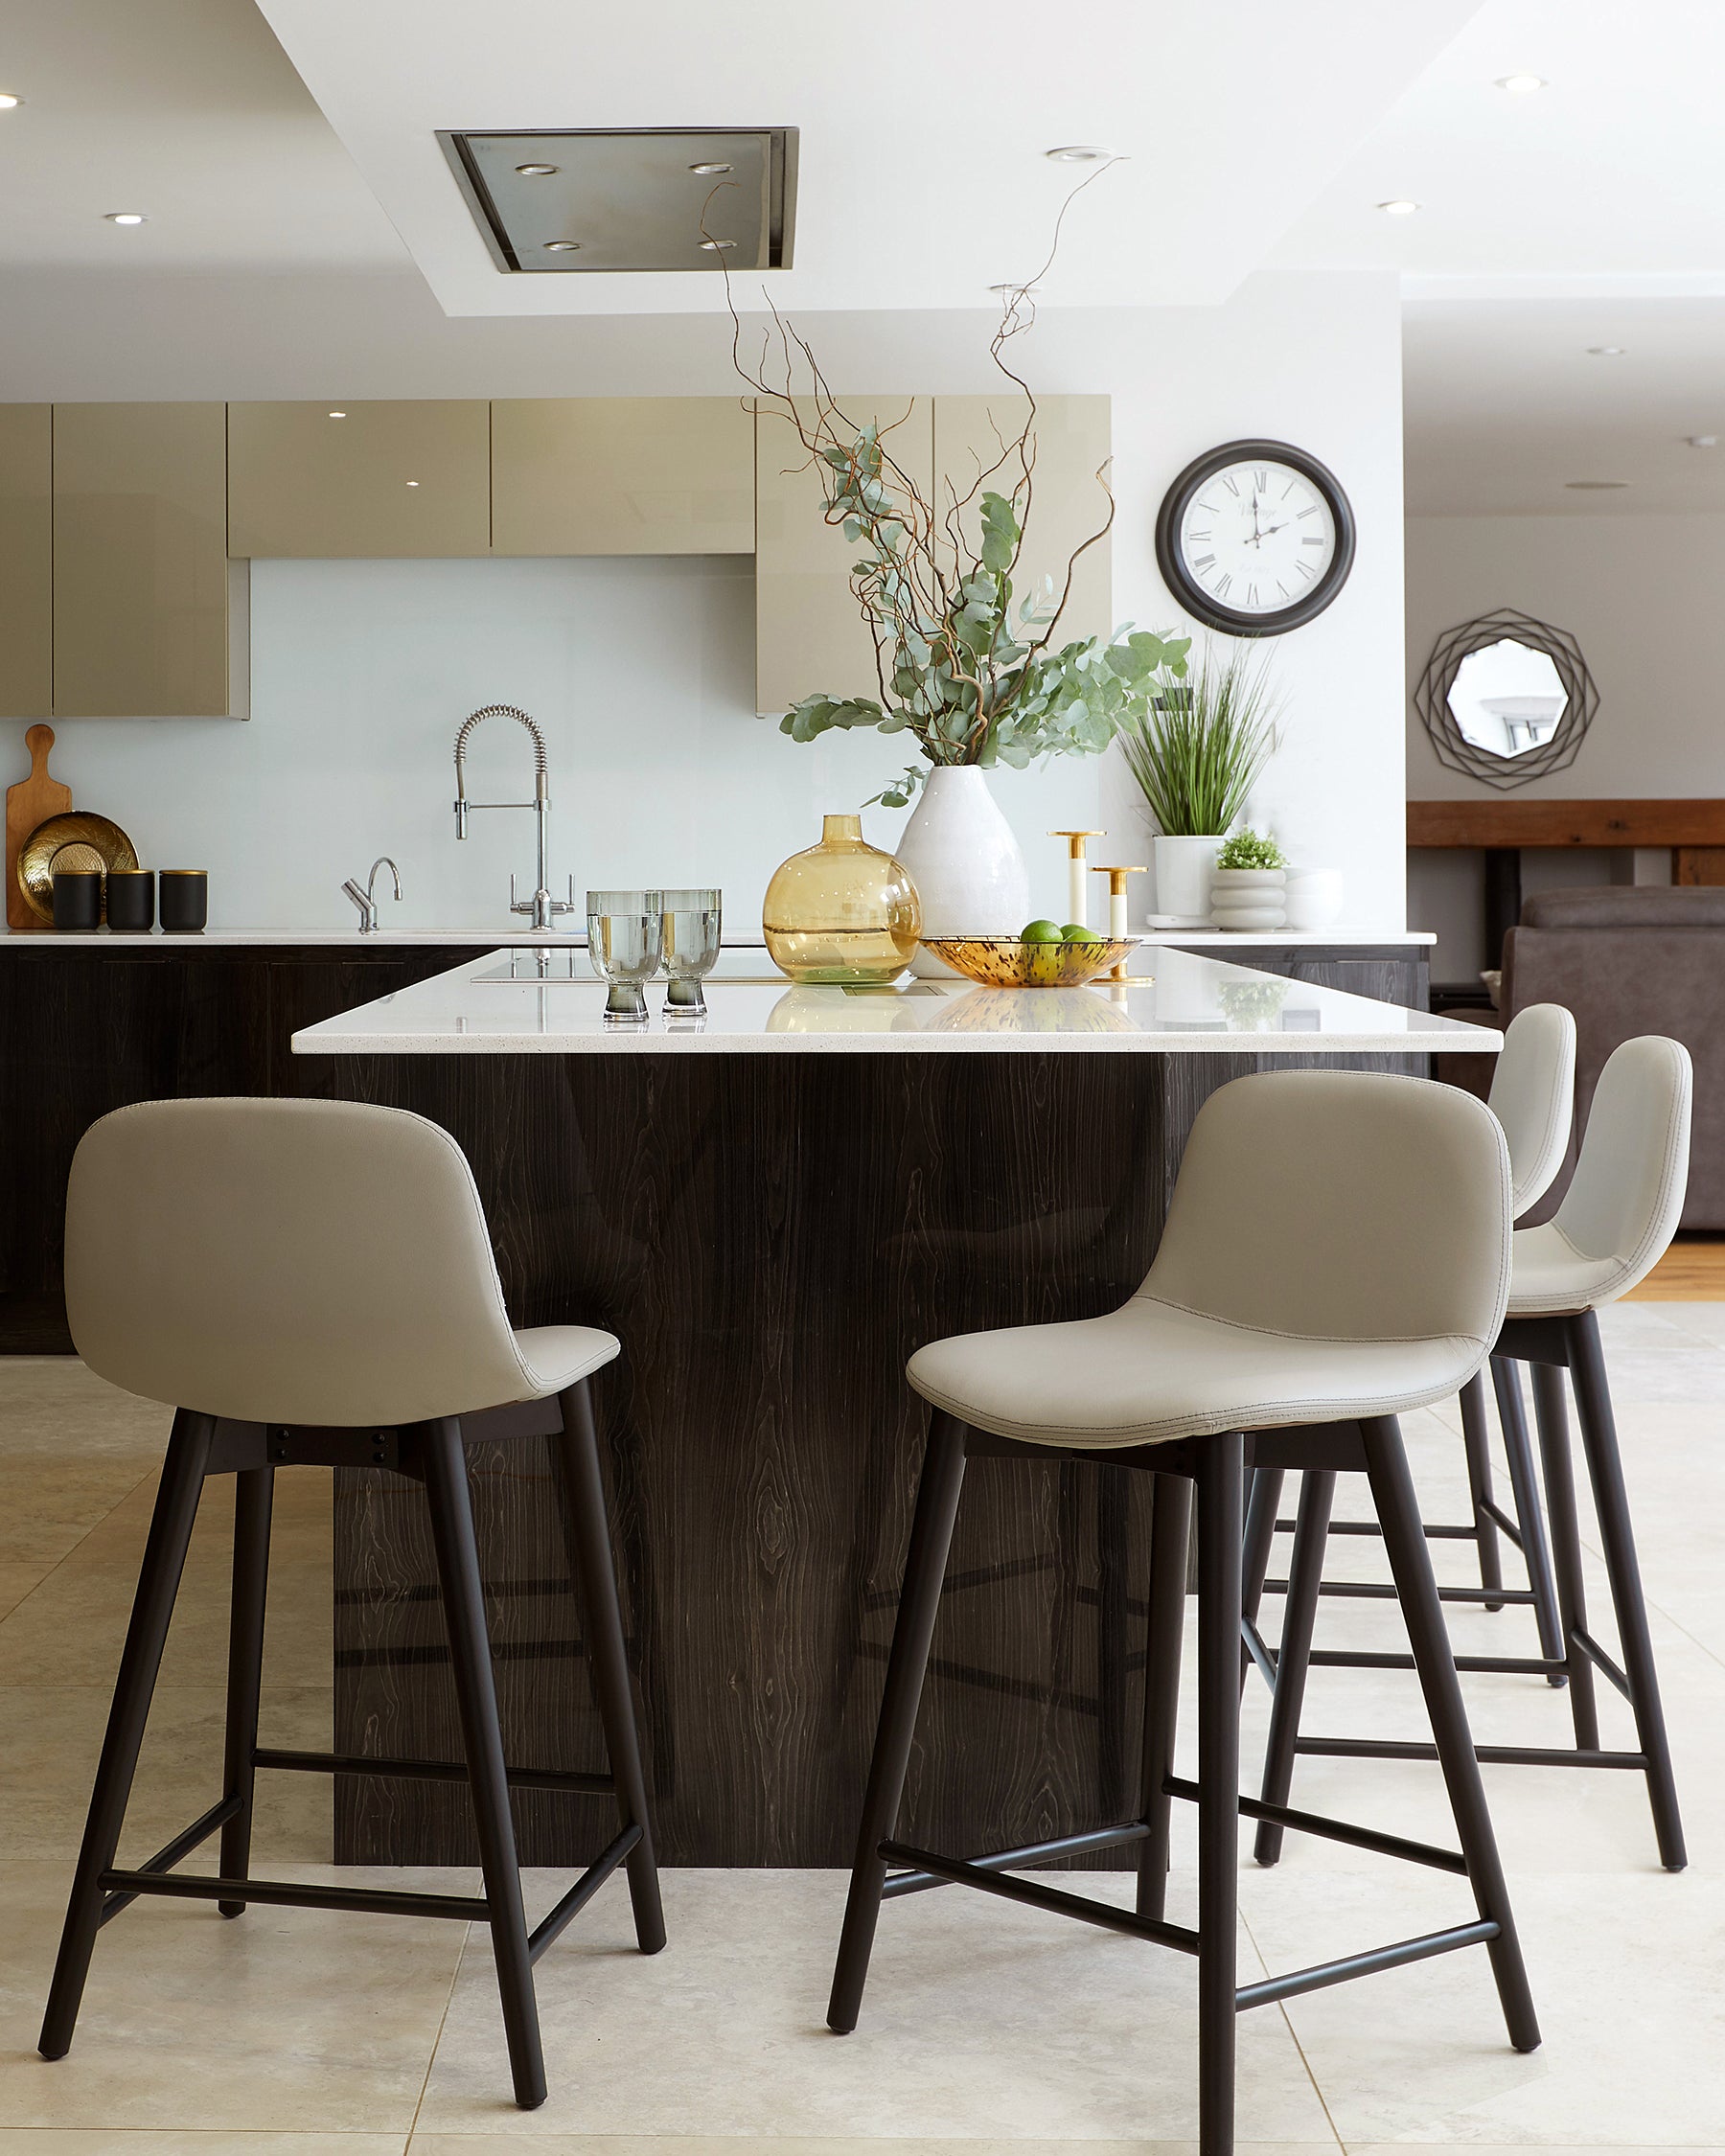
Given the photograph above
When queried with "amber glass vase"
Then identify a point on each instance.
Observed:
(842, 911)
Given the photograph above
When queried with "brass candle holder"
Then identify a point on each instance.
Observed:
(1117, 903)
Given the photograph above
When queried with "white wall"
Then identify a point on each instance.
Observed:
(640, 671)
(1642, 596)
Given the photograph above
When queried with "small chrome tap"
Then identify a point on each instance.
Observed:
(364, 899)
(541, 905)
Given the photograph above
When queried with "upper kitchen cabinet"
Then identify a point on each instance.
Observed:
(335, 481)
(25, 561)
(622, 475)
(141, 579)
(809, 631)
(1072, 443)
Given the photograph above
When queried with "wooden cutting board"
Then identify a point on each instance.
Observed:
(31, 801)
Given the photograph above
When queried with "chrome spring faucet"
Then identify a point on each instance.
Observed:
(542, 906)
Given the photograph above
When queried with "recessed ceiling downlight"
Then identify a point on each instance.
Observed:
(9, 103)
(339, 415)
(125, 216)
(1595, 486)
(1606, 351)
(1079, 153)
(1399, 208)
(1521, 85)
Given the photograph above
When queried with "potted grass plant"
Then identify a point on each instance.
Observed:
(1196, 750)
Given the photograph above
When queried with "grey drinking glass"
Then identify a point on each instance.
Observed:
(623, 931)
(691, 921)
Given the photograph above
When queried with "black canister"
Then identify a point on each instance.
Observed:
(132, 900)
(77, 897)
(185, 900)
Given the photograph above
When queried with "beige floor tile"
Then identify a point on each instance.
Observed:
(1628, 1975)
(981, 2021)
(188, 2141)
(52, 1740)
(305, 2018)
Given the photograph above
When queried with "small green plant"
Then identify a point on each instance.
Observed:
(1197, 745)
(1246, 849)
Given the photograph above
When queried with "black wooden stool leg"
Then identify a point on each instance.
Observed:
(450, 1501)
(919, 1605)
(253, 1491)
(1220, 1472)
(1263, 1500)
(152, 1609)
(1305, 1575)
(1611, 1501)
(1417, 1590)
(1553, 1417)
(1529, 1511)
(1477, 1444)
(1170, 1540)
(602, 1628)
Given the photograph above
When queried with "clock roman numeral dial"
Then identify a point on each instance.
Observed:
(1257, 539)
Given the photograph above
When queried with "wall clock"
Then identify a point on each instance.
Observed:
(1255, 538)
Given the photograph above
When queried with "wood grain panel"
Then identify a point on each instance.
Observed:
(1566, 823)
(1698, 864)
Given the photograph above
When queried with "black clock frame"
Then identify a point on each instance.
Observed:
(1192, 595)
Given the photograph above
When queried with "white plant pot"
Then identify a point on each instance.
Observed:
(1315, 899)
(967, 867)
(1248, 898)
(1184, 870)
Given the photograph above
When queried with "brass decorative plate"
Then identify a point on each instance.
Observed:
(77, 840)
(1009, 962)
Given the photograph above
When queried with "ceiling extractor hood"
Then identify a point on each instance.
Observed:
(556, 200)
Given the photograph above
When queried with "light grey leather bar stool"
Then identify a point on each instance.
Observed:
(1615, 1224)
(1532, 1096)
(1337, 1251)
(311, 1282)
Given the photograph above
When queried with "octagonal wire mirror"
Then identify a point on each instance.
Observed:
(1506, 698)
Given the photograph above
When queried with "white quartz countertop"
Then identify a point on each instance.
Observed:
(490, 939)
(1194, 1005)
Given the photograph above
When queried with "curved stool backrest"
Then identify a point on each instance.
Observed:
(1533, 1098)
(1341, 1205)
(292, 1261)
(1626, 1195)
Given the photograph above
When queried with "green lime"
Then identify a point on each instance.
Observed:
(1075, 932)
(1040, 931)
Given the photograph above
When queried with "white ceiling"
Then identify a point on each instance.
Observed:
(187, 110)
(922, 125)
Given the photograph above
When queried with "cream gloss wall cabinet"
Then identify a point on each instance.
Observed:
(25, 561)
(621, 475)
(344, 481)
(141, 576)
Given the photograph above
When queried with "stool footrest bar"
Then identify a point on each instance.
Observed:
(960, 1874)
(1488, 1754)
(1325, 1973)
(1372, 1590)
(294, 1894)
(428, 1769)
(581, 1892)
(1493, 1666)
(1603, 1662)
(1502, 1523)
(1009, 1860)
(176, 1851)
(1263, 1657)
(1335, 1830)
(1435, 1532)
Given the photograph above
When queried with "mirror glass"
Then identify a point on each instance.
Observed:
(1507, 698)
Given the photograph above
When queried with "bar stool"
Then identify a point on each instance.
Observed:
(311, 1282)
(1532, 1096)
(1335, 1251)
(1615, 1224)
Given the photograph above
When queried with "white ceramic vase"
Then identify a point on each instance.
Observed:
(967, 867)
(1184, 870)
(1248, 898)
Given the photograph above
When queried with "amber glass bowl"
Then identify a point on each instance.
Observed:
(1009, 962)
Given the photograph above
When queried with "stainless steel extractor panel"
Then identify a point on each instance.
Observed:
(560, 201)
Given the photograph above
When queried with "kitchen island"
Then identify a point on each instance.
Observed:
(772, 1211)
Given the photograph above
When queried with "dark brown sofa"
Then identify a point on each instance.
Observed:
(1627, 960)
